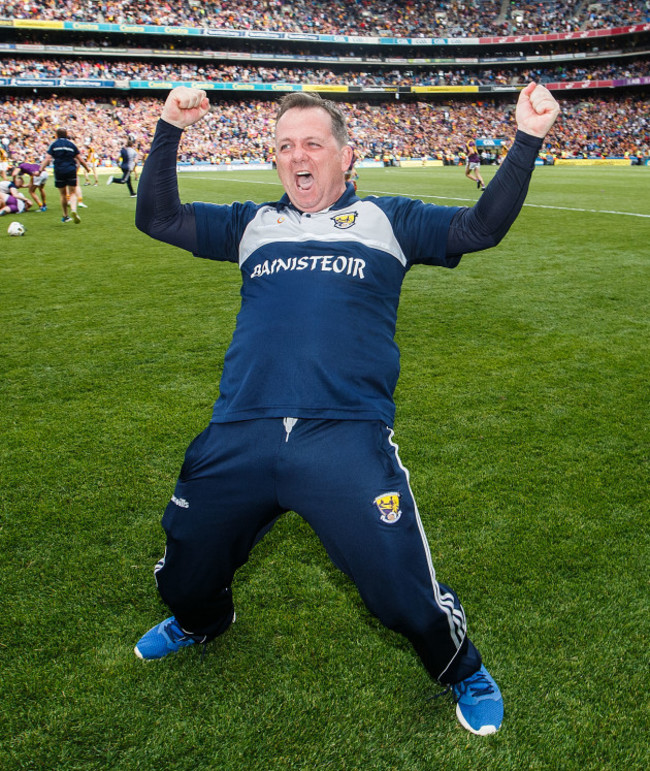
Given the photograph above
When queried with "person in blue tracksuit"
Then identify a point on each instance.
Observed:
(65, 155)
(127, 163)
(304, 416)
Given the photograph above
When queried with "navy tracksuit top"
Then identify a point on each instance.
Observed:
(315, 333)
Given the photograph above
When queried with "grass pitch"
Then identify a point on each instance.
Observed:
(523, 417)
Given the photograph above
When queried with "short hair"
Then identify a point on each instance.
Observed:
(304, 100)
(61, 133)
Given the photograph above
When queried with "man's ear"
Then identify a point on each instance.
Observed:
(346, 157)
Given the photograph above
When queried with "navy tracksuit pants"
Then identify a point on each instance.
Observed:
(346, 480)
(125, 179)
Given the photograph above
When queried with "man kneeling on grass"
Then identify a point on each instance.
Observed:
(304, 417)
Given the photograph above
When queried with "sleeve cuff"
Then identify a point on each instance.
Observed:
(167, 128)
(524, 150)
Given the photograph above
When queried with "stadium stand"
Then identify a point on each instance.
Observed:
(445, 69)
(414, 18)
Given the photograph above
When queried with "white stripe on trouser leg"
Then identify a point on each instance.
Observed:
(159, 566)
(455, 616)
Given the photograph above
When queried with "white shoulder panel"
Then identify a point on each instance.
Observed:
(362, 222)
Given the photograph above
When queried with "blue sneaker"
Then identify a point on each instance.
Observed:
(167, 637)
(479, 704)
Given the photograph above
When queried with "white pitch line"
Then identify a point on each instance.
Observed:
(531, 205)
(591, 211)
(462, 200)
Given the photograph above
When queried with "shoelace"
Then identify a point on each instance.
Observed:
(174, 635)
(439, 694)
(479, 686)
(482, 688)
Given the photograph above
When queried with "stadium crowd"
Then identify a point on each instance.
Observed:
(110, 69)
(243, 130)
(428, 18)
(599, 125)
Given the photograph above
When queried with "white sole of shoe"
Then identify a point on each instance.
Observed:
(486, 730)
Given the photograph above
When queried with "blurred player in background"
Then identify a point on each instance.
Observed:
(13, 204)
(128, 160)
(4, 162)
(134, 175)
(473, 166)
(78, 193)
(36, 184)
(92, 161)
(12, 187)
(351, 174)
(66, 157)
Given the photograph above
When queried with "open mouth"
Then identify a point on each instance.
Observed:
(304, 180)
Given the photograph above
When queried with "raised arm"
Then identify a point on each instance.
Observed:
(159, 212)
(486, 223)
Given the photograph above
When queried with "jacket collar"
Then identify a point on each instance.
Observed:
(348, 197)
